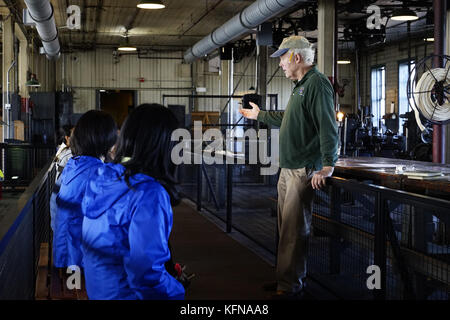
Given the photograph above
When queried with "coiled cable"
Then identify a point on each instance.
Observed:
(426, 94)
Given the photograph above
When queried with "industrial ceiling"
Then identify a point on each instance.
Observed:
(182, 23)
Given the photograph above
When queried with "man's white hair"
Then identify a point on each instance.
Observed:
(307, 55)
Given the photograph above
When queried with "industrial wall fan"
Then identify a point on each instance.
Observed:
(430, 97)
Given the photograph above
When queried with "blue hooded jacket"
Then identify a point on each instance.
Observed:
(125, 238)
(69, 217)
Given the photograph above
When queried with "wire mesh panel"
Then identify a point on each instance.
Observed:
(367, 242)
(16, 259)
(341, 246)
(406, 238)
(20, 244)
(42, 230)
(424, 250)
(253, 199)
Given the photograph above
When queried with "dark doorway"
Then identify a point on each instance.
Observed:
(118, 103)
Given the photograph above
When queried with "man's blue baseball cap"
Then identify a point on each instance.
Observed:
(292, 42)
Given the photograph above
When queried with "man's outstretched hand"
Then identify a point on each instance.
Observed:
(250, 113)
(318, 179)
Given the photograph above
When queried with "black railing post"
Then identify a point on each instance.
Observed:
(229, 169)
(335, 244)
(199, 186)
(33, 259)
(380, 245)
(51, 175)
(210, 187)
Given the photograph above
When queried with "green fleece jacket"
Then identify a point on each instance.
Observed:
(308, 128)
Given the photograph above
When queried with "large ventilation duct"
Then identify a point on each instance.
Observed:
(41, 13)
(251, 17)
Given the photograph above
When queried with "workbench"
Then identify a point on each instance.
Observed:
(384, 172)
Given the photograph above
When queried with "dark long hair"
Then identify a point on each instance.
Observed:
(63, 132)
(145, 138)
(94, 134)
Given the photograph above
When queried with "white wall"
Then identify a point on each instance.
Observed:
(86, 72)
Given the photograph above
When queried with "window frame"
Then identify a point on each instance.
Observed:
(380, 115)
(401, 62)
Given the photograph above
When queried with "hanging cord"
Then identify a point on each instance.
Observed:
(432, 110)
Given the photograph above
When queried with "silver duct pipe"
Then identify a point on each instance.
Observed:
(41, 12)
(251, 17)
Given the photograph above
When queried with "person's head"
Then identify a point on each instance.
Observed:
(94, 135)
(68, 128)
(145, 144)
(296, 55)
(64, 134)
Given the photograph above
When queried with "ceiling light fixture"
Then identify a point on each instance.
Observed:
(404, 14)
(344, 61)
(127, 48)
(150, 4)
(429, 39)
(33, 82)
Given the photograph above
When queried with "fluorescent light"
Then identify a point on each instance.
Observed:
(150, 4)
(404, 14)
(344, 61)
(127, 48)
(429, 39)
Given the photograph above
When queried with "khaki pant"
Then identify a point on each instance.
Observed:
(294, 224)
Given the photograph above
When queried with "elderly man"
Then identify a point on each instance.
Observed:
(308, 152)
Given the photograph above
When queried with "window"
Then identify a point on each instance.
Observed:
(403, 105)
(378, 96)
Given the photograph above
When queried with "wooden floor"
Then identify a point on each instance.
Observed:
(253, 213)
(224, 268)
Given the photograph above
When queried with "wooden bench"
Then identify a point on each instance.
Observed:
(54, 287)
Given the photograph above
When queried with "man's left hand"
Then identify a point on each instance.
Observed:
(318, 179)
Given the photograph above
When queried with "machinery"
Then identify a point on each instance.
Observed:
(430, 104)
(360, 138)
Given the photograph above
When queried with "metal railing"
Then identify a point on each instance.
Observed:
(21, 162)
(355, 225)
(406, 235)
(24, 226)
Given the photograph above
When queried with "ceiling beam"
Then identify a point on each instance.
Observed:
(199, 19)
(98, 12)
(135, 35)
(16, 12)
(83, 19)
(132, 19)
(65, 10)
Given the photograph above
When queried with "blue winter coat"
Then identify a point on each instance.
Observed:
(69, 217)
(125, 238)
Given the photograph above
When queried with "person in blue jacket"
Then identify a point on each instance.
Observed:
(93, 137)
(128, 213)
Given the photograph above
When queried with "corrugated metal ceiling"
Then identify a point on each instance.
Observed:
(107, 23)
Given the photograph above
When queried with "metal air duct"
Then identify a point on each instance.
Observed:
(41, 13)
(249, 18)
